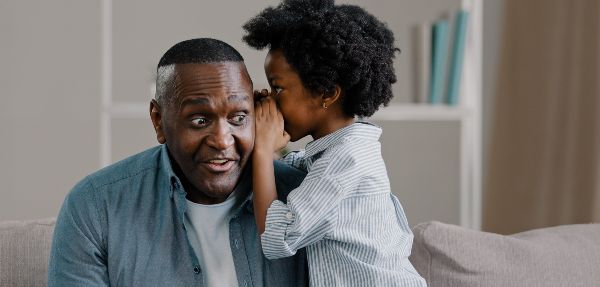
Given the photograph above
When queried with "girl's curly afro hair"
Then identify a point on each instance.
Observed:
(330, 44)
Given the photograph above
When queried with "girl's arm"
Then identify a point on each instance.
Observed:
(263, 183)
(269, 137)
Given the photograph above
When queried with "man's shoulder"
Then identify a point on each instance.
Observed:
(287, 178)
(128, 167)
(92, 189)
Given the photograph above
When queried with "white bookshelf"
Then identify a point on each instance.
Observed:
(467, 114)
(421, 112)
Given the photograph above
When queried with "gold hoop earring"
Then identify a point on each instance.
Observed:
(324, 106)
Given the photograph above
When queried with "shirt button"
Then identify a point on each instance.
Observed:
(236, 243)
(245, 283)
(197, 270)
(289, 215)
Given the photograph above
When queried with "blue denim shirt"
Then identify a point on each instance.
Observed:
(124, 226)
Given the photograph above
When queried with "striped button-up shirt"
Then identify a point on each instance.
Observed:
(354, 229)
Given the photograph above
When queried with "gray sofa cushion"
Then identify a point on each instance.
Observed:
(448, 255)
(24, 250)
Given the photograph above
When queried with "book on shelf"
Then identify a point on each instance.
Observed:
(439, 45)
(456, 57)
(422, 61)
(438, 60)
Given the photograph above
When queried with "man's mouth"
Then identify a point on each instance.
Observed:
(219, 165)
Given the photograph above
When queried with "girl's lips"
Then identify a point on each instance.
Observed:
(219, 167)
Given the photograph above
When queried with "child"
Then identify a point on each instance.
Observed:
(326, 65)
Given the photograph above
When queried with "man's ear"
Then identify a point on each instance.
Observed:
(156, 116)
(331, 98)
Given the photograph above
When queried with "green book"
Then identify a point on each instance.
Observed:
(439, 44)
(457, 57)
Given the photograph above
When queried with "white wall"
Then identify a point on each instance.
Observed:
(52, 81)
(50, 91)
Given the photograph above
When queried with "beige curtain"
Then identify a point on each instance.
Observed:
(544, 158)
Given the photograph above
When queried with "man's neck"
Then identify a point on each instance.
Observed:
(197, 196)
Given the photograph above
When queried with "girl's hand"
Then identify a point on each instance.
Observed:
(270, 135)
(258, 95)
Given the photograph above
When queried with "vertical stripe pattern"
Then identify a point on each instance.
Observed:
(354, 229)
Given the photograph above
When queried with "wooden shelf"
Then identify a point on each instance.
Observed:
(394, 112)
(420, 112)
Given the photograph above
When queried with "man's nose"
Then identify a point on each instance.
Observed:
(221, 137)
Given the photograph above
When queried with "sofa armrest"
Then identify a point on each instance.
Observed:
(24, 251)
(448, 255)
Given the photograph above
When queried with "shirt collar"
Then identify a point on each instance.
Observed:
(167, 170)
(243, 191)
(358, 130)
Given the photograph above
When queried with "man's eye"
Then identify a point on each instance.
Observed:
(199, 121)
(239, 119)
(277, 90)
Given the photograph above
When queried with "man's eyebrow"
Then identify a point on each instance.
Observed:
(195, 101)
(238, 98)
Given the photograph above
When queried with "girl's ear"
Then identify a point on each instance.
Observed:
(331, 98)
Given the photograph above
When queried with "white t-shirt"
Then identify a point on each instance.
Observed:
(208, 233)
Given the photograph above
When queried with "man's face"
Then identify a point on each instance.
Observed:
(208, 127)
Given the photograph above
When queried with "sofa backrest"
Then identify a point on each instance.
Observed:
(24, 251)
(445, 255)
(452, 256)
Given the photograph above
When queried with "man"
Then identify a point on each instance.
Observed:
(178, 214)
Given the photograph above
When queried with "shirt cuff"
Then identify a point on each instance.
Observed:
(279, 218)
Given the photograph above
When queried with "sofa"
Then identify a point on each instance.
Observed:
(444, 254)
(452, 256)
(24, 251)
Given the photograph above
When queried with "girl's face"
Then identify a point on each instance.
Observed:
(298, 105)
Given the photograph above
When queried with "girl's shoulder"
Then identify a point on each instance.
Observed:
(336, 158)
(352, 147)
(351, 153)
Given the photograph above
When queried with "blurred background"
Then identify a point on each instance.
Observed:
(520, 150)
